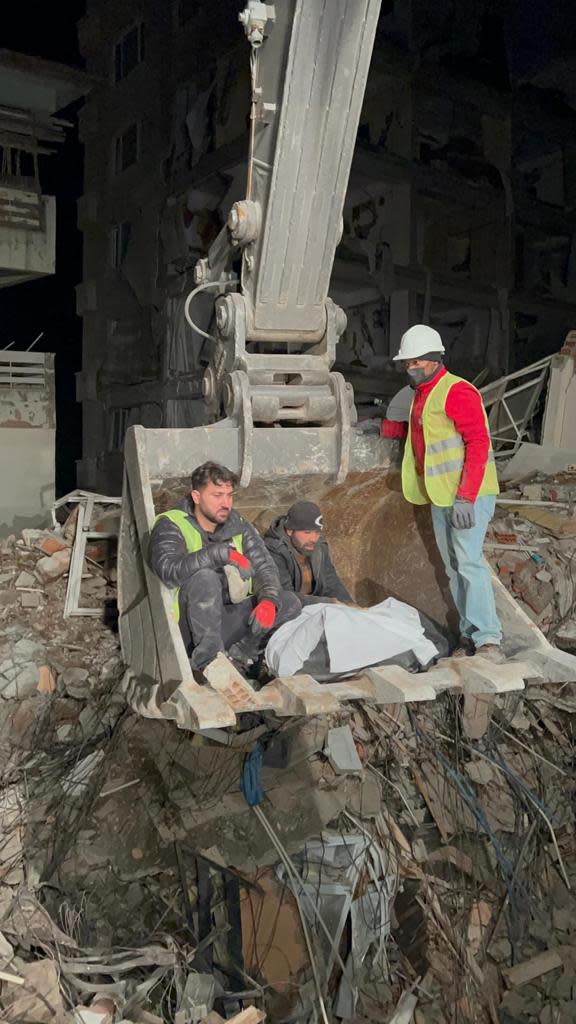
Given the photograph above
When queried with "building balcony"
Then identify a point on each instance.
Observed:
(27, 234)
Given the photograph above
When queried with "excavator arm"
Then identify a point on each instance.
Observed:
(277, 331)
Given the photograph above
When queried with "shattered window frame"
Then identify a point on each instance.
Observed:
(129, 51)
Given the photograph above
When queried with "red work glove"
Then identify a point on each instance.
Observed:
(263, 617)
(242, 563)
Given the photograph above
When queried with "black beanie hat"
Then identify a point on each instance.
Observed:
(304, 515)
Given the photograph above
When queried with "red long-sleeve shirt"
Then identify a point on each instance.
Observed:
(464, 407)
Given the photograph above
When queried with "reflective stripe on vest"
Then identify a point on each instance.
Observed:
(194, 541)
(444, 454)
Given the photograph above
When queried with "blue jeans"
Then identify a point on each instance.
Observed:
(468, 575)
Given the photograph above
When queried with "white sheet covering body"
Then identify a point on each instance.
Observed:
(355, 637)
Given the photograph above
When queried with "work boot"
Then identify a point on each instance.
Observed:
(492, 652)
(245, 653)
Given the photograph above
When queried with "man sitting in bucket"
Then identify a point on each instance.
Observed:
(227, 592)
(302, 556)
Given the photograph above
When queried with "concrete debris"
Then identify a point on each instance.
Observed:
(404, 1012)
(432, 873)
(39, 999)
(532, 547)
(52, 567)
(197, 999)
(76, 682)
(25, 579)
(341, 751)
(100, 1011)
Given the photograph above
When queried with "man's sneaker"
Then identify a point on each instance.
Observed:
(492, 652)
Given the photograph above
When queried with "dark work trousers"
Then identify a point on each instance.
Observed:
(209, 623)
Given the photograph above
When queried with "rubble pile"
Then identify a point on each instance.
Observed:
(531, 545)
(375, 865)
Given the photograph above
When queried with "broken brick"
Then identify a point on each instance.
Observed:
(52, 567)
(46, 681)
(51, 543)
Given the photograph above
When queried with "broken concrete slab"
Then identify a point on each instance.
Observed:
(100, 1011)
(341, 751)
(38, 1000)
(197, 999)
(25, 579)
(52, 567)
(539, 458)
(18, 681)
(476, 714)
(76, 682)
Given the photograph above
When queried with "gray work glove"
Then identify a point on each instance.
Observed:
(462, 517)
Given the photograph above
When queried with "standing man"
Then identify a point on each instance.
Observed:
(449, 463)
(227, 594)
(302, 555)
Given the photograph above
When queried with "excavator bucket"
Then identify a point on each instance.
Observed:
(288, 426)
(383, 547)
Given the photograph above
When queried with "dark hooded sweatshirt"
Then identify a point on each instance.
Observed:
(168, 558)
(325, 580)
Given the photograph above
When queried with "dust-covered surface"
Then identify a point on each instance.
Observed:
(532, 547)
(138, 883)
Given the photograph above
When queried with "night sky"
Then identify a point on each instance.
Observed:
(535, 31)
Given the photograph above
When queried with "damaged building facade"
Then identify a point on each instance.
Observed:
(457, 211)
(32, 91)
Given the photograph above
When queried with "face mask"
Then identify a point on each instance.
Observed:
(418, 376)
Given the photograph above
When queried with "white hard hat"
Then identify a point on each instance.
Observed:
(419, 341)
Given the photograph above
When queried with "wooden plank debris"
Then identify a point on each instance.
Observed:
(522, 973)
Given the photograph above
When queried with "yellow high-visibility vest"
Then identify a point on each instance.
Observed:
(444, 454)
(194, 541)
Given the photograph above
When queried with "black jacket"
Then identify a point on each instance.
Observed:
(170, 561)
(326, 581)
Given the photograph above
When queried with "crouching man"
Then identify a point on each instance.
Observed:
(226, 587)
(302, 556)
